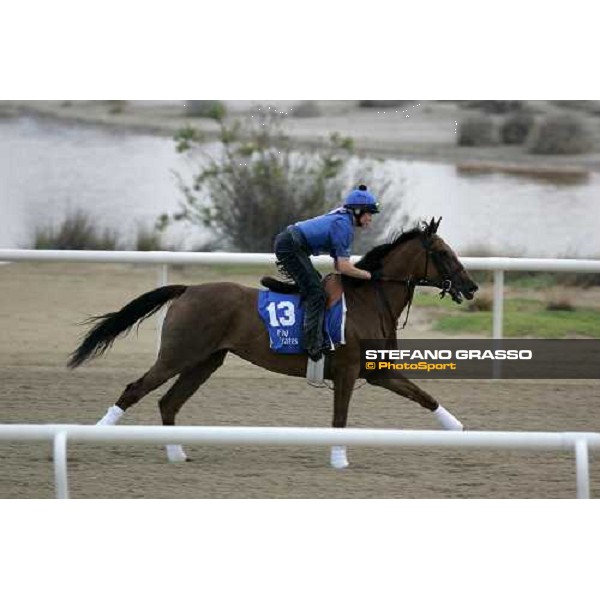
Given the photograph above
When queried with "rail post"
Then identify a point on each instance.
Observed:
(60, 466)
(498, 306)
(582, 466)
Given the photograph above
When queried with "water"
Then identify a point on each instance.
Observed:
(125, 180)
(505, 215)
(48, 170)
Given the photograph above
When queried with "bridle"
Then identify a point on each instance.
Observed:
(445, 285)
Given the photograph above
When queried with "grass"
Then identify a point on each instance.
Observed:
(79, 231)
(524, 318)
(148, 239)
(76, 232)
(536, 280)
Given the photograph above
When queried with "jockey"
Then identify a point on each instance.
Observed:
(332, 232)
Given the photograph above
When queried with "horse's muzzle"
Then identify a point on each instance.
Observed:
(469, 290)
(463, 290)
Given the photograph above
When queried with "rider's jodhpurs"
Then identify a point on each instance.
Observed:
(292, 253)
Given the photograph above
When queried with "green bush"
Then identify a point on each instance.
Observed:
(495, 106)
(516, 128)
(477, 131)
(116, 107)
(148, 239)
(382, 103)
(76, 232)
(480, 304)
(589, 106)
(561, 304)
(307, 109)
(561, 134)
(208, 109)
(541, 280)
(259, 182)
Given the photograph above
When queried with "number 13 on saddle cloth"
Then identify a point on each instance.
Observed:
(283, 316)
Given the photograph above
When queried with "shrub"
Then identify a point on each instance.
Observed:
(76, 232)
(382, 103)
(209, 109)
(480, 304)
(538, 280)
(477, 131)
(585, 280)
(561, 134)
(495, 106)
(561, 304)
(148, 239)
(516, 128)
(307, 109)
(259, 182)
(583, 105)
(116, 107)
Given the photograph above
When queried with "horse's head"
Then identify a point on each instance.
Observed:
(442, 268)
(424, 258)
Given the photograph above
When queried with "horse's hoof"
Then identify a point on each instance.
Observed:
(341, 465)
(339, 460)
(175, 454)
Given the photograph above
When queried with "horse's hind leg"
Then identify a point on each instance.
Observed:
(408, 389)
(135, 391)
(187, 383)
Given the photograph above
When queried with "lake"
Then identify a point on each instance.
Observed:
(125, 180)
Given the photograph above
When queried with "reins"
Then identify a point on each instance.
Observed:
(383, 304)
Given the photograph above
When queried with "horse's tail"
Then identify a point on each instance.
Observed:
(109, 326)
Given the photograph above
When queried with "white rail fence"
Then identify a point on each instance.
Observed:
(162, 260)
(578, 442)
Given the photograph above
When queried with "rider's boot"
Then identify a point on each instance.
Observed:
(313, 326)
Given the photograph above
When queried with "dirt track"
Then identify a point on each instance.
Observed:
(39, 308)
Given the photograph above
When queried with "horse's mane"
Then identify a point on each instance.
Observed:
(373, 259)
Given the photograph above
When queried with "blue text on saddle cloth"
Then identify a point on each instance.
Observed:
(284, 316)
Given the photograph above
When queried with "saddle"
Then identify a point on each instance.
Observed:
(332, 284)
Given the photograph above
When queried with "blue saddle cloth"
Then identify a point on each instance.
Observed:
(283, 317)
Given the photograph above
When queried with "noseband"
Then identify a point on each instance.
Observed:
(445, 285)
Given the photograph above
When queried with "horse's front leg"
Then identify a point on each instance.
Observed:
(343, 387)
(408, 389)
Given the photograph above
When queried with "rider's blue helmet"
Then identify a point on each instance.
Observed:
(361, 200)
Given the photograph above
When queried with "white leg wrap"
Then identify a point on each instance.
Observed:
(175, 453)
(447, 420)
(339, 460)
(112, 416)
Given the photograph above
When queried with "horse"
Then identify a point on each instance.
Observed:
(205, 322)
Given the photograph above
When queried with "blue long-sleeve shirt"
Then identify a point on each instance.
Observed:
(332, 232)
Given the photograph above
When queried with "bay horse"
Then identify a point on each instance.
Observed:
(205, 322)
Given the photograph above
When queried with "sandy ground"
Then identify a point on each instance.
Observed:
(40, 307)
(427, 133)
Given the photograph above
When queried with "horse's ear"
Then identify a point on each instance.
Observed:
(432, 227)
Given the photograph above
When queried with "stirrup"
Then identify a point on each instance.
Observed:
(314, 372)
